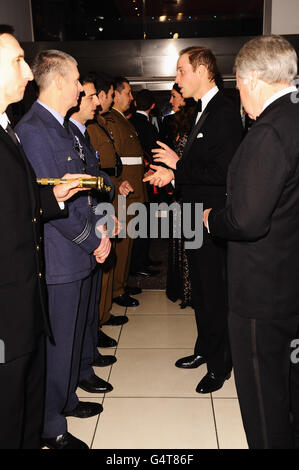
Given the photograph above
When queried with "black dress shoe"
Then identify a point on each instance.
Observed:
(95, 385)
(210, 383)
(116, 320)
(146, 272)
(190, 362)
(104, 361)
(104, 341)
(133, 290)
(125, 300)
(64, 441)
(85, 409)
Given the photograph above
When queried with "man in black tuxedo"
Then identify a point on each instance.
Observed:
(200, 175)
(148, 135)
(23, 317)
(261, 222)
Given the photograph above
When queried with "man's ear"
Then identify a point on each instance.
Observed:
(102, 95)
(59, 81)
(253, 79)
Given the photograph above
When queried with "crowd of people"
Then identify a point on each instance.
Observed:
(62, 268)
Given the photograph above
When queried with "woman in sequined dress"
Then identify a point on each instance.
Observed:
(178, 284)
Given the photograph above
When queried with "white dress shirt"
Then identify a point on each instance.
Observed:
(205, 100)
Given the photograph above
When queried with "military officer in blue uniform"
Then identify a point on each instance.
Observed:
(72, 247)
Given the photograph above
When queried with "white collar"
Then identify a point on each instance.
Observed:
(208, 96)
(144, 113)
(279, 94)
(4, 120)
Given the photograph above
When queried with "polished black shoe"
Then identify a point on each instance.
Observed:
(85, 409)
(133, 290)
(95, 385)
(104, 361)
(116, 320)
(104, 341)
(190, 362)
(210, 383)
(64, 441)
(146, 272)
(125, 300)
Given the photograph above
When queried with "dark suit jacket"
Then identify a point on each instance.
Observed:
(70, 242)
(201, 172)
(23, 312)
(261, 217)
(147, 134)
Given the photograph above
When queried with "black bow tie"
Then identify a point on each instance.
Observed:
(198, 106)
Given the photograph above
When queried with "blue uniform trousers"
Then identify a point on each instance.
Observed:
(68, 305)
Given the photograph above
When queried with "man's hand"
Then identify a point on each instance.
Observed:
(161, 177)
(205, 217)
(103, 250)
(165, 155)
(125, 188)
(117, 226)
(65, 191)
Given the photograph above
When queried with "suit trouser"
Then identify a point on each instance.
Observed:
(207, 267)
(123, 250)
(89, 349)
(267, 381)
(107, 286)
(22, 400)
(68, 304)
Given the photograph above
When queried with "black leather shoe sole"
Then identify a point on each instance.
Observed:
(65, 441)
(116, 320)
(146, 273)
(85, 410)
(104, 341)
(126, 301)
(211, 384)
(103, 387)
(190, 362)
(104, 361)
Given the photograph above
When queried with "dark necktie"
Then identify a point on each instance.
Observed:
(66, 125)
(86, 135)
(11, 134)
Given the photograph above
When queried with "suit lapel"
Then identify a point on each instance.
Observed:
(195, 131)
(19, 154)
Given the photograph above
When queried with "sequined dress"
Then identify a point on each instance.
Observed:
(178, 284)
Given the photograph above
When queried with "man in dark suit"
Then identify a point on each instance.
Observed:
(261, 222)
(72, 246)
(23, 306)
(148, 135)
(200, 175)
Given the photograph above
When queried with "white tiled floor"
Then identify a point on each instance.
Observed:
(154, 404)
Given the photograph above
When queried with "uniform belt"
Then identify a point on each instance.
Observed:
(131, 160)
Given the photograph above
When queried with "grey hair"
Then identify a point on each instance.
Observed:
(273, 57)
(50, 62)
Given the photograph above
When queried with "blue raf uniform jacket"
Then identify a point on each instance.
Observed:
(69, 242)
